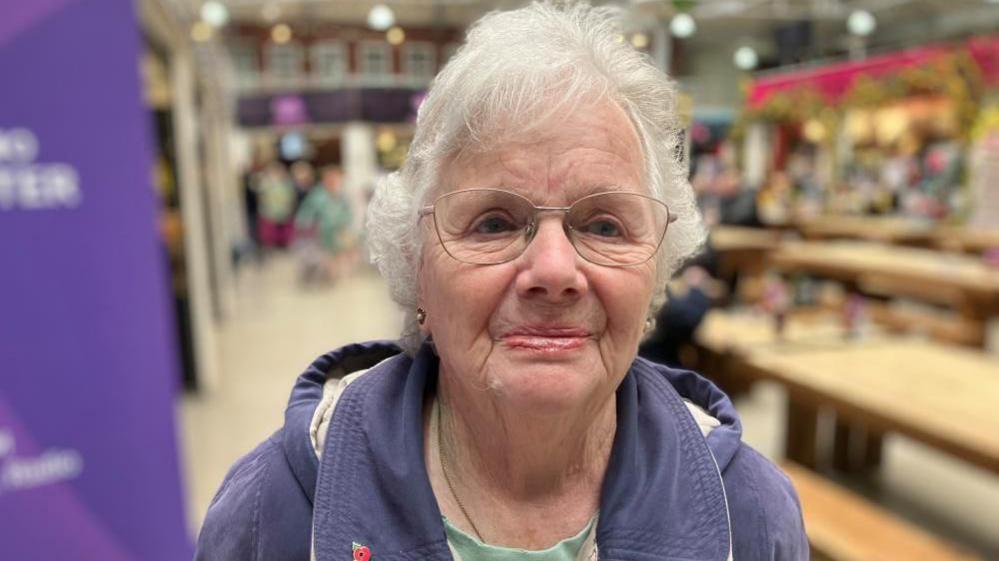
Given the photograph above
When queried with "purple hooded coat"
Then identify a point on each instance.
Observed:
(676, 488)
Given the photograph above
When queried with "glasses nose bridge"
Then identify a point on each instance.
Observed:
(540, 209)
(532, 227)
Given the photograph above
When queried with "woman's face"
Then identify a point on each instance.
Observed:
(547, 331)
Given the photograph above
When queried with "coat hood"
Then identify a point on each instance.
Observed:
(676, 433)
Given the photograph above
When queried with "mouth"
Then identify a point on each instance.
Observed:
(546, 339)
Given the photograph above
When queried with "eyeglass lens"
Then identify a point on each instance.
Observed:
(488, 226)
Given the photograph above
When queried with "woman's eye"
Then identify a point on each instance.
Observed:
(494, 225)
(603, 228)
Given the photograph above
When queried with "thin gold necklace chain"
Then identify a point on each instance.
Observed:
(447, 477)
(457, 499)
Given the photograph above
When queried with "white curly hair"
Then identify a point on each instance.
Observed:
(515, 71)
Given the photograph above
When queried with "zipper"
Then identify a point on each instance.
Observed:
(728, 516)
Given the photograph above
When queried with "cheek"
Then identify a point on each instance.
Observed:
(434, 291)
(459, 299)
(626, 297)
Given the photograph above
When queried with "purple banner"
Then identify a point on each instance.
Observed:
(88, 370)
(379, 105)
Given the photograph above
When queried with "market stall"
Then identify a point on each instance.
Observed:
(884, 135)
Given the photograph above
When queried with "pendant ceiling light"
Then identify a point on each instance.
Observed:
(745, 58)
(215, 13)
(682, 25)
(861, 23)
(381, 17)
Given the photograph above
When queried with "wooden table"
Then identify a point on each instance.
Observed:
(740, 238)
(887, 229)
(966, 239)
(962, 282)
(944, 396)
(743, 256)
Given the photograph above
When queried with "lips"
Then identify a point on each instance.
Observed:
(546, 339)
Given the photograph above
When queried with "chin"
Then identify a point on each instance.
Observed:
(547, 388)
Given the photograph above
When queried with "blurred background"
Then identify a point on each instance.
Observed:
(845, 154)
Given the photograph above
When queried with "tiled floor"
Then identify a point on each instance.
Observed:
(280, 328)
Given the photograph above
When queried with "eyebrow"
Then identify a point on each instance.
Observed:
(575, 193)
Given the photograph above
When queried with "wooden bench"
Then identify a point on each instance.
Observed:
(843, 526)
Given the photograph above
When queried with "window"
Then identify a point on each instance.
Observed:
(284, 62)
(374, 59)
(419, 60)
(329, 61)
(245, 63)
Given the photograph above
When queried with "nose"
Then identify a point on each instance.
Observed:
(549, 267)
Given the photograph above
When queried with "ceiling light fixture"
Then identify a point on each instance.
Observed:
(395, 35)
(381, 17)
(745, 58)
(861, 23)
(682, 25)
(215, 13)
(281, 33)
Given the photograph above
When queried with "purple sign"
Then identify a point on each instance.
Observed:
(289, 110)
(379, 105)
(88, 370)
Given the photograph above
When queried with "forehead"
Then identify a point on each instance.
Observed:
(591, 148)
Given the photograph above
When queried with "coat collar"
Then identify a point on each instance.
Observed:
(662, 498)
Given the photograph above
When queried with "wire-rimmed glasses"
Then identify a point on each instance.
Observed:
(493, 226)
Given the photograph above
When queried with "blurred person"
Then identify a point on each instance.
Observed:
(251, 205)
(707, 168)
(899, 171)
(721, 194)
(526, 238)
(276, 206)
(807, 191)
(736, 202)
(303, 177)
(322, 226)
(689, 298)
(773, 202)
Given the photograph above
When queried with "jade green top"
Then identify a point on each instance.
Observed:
(471, 549)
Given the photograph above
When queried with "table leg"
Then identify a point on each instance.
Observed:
(975, 314)
(800, 439)
(873, 446)
(856, 448)
(842, 437)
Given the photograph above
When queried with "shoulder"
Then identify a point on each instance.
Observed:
(259, 512)
(263, 509)
(764, 509)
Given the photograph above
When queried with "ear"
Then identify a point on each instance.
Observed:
(425, 326)
(421, 302)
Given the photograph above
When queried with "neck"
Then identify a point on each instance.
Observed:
(518, 480)
(521, 456)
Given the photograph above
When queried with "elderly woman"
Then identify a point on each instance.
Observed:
(541, 210)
